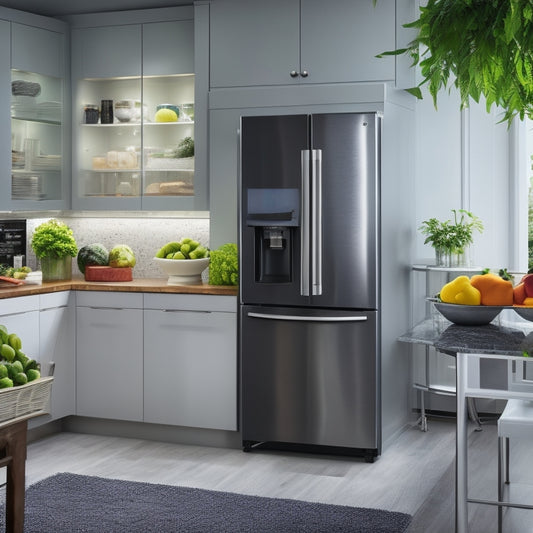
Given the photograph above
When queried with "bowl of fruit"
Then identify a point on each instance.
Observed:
(183, 261)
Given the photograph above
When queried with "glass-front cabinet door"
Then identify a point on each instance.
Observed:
(34, 116)
(36, 137)
(134, 117)
(168, 137)
(109, 148)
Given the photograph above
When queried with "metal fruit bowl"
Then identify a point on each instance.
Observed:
(525, 312)
(468, 315)
(183, 271)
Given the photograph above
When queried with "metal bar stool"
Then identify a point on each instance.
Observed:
(516, 421)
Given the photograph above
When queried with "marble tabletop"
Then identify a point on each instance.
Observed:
(495, 338)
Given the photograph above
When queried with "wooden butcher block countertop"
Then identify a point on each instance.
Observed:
(158, 285)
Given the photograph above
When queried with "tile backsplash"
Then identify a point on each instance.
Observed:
(144, 235)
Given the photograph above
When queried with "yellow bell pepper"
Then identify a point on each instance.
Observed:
(460, 291)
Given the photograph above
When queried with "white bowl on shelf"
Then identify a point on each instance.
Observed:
(183, 271)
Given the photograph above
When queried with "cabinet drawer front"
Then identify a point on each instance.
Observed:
(112, 300)
(54, 299)
(190, 302)
(22, 304)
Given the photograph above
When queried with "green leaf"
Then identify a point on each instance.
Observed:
(398, 52)
(415, 91)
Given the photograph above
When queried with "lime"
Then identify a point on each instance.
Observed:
(14, 341)
(7, 352)
(17, 367)
(166, 115)
(5, 383)
(3, 371)
(21, 356)
(33, 374)
(20, 379)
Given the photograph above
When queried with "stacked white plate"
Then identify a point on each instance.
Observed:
(46, 162)
(49, 111)
(25, 187)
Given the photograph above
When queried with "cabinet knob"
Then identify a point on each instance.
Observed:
(304, 74)
(294, 74)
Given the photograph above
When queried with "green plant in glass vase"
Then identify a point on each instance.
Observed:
(451, 239)
(54, 245)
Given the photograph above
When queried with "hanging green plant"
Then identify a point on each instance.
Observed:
(482, 47)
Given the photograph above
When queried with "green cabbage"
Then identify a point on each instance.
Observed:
(121, 256)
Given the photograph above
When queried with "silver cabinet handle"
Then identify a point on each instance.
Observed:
(298, 318)
(294, 74)
(304, 74)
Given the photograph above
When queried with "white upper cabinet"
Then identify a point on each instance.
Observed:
(168, 47)
(253, 43)
(108, 52)
(340, 39)
(37, 50)
(284, 42)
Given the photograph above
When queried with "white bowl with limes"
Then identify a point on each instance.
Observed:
(183, 271)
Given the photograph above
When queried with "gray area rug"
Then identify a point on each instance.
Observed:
(72, 503)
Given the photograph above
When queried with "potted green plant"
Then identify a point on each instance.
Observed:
(451, 239)
(54, 245)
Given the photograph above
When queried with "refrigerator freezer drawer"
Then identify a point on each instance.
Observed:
(310, 377)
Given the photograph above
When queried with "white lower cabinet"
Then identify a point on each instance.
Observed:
(45, 325)
(190, 361)
(109, 355)
(157, 358)
(58, 344)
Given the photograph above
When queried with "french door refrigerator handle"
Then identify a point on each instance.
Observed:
(305, 241)
(316, 223)
(298, 318)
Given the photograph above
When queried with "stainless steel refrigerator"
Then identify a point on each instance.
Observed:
(309, 283)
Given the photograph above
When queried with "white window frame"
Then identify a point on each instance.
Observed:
(521, 149)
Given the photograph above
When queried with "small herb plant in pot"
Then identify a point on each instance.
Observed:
(54, 245)
(451, 239)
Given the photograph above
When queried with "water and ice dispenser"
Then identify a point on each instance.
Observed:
(274, 214)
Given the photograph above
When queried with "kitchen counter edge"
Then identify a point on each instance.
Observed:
(157, 285)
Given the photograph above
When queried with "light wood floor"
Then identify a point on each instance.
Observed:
(415, 475)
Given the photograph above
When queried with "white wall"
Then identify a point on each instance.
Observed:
(462, 161)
